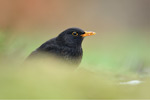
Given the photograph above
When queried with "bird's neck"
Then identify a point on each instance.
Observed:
(69, 45)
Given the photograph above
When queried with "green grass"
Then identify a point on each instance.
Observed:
(108, 60)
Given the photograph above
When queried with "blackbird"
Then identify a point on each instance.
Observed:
(66, 46)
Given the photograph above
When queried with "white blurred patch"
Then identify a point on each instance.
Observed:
(133, 82)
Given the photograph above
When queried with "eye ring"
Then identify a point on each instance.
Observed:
(75, 34)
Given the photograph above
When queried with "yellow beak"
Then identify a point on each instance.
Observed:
(88, 34)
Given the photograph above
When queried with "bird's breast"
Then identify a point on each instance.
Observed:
(73, 55)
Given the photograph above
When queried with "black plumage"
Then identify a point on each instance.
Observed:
(66, 46)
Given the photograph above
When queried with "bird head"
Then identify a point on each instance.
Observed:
(73, 37)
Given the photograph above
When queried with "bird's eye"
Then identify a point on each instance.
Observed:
(75, 34)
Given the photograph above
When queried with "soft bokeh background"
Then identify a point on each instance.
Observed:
(118, 52)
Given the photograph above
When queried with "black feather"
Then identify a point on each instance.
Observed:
(65, 46)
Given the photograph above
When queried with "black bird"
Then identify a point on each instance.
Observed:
(66, 46)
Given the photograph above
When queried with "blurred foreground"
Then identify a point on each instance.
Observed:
(42, 81)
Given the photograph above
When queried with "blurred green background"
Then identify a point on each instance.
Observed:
(118, 52)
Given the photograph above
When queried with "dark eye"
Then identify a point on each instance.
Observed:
(75, 34)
